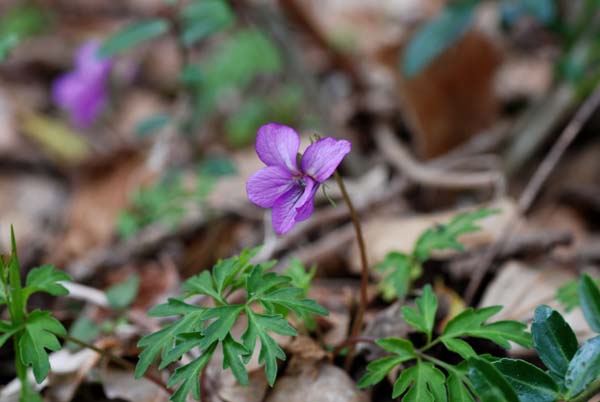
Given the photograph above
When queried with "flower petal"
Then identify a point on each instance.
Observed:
(266, 185)
(286, 208)
(304, 212)
(277, 145)
(322, 157)
(89, 63)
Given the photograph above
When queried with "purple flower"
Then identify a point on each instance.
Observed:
(283, 185)
(82, 92)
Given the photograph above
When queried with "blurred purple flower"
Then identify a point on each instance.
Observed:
(82, 92)
(283, 186)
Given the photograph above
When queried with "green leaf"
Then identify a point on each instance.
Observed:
(397, 274)
(459, 346)
(443, 237)
(290, 298)
(46, 279)
(7, 44)
(299, 275)
(530, 383)
(489, 384)
(423, 317)
(121, 295)
(188, 377)
(233, 353)
(133, 35)
(38, 336)
(457, 390)
(17, 305)
(220, 328)
(164, 339)
(398, 346)
(436, 36)
(470, 322)
(259, 325)
(83, 329)
(7, 330)
(589, 296)
(2, 295)
(152, 125)
(553, 339)
(378, 369)
(202, 284)
(426, 384)
(584, 368)
(202, 18)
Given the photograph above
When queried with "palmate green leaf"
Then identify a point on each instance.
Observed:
(436, 36)
(397, 274)
(38, 335)
(426, 382)
(121, 295)
(202, 284)
(45, 279)
(188, 376)
(554, 340)
(423, 317)
(133, 35)
(164, 339)
(589, 296)
(470, 322)
(220, 328)
(457, 390)
(444, 237)
(233, 357)
(488, 383)
(529, 382)
(584, 368)
(2, 295)
(378, 369)
(259, 326)
(226, 271)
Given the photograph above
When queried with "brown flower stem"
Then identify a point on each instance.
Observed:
(114, 358)
(364, 280)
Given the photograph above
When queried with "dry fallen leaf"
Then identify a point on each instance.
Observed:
(316, 382)
(521, 288)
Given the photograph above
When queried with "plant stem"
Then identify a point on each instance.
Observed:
(116, 359)
(364, 280)
(592, 390)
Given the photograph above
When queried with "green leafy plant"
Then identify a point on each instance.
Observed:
(573, 372)
(424, 380)
(399, 269)
(269, 299)
(33, 332)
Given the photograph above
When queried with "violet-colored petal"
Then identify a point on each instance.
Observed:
(89, 106)
(285, 209)
(67, 89)
(89, 63)
(304, 212)
(266, 185)
(277, 145)
(322, 157)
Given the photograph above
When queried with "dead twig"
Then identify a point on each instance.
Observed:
(422, 174)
